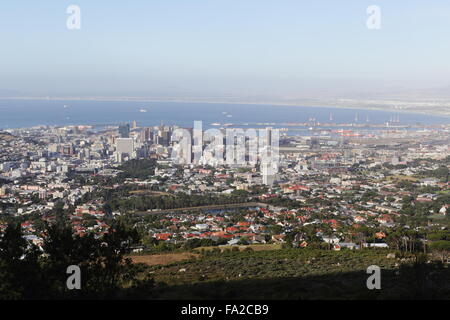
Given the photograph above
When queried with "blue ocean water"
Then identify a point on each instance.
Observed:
(27, 113)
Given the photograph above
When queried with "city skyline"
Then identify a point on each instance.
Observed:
(221, 155)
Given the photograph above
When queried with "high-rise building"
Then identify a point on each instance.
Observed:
(268, 137)
(182, 152)
(146, 135)
(163, 137)
(124, 146)
(269, 173)
(124, 131)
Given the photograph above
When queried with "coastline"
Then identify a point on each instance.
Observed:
(316, 104)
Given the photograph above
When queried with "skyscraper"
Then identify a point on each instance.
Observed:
(269, 173)
(124, 131)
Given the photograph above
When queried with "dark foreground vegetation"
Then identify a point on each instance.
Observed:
(28, 273)
(301, 274)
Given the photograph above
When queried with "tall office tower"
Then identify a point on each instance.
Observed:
(268, 136)
(124, 146)
(151, 135)
(142, 137)
(124, 131)
(134, 124)
(182, 152)
(269, 173)
(145, 135)
(163, 137)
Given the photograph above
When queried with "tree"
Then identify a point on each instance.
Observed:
(101, 260)
(26, 273)
(113, 267)
(20, 276)
(442, 247)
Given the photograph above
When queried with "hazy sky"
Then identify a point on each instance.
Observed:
(213, 47)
